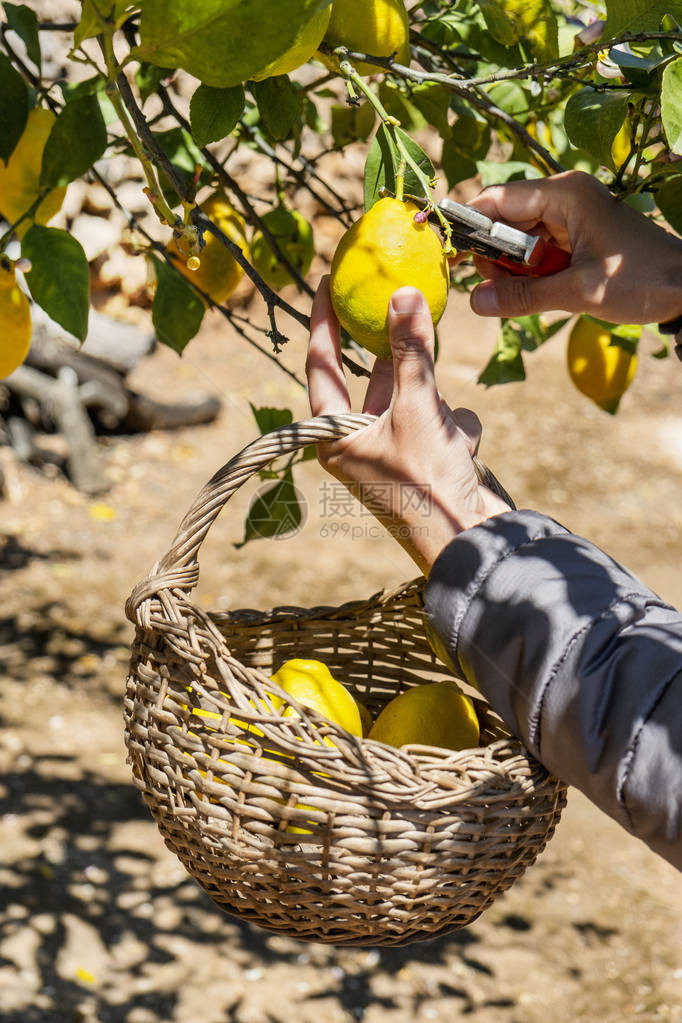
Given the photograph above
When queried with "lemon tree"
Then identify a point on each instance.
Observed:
(430, 95)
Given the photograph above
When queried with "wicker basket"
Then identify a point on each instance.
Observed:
(346, 841)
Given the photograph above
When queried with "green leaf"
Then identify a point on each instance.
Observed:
(640, 71)
(470, 134)
(500, 26)
(22, 20)
(221, 42)
(148, 78)
(309, 453)
(671, 105)
(95, 86)
(279, 104)
(275, 512)
(510, 97)
(533, 332)
(469, 141)
(78, 138)
(456, 166)
(183, 153)
(214, 113)
(535, 23)
(506, 364)
(383, 161)
(268, 419)
(433, 101)
(638, 15)
(59, 278)
(13, 107)
(669, 201)
(532, 21)
(593, 119)
(177, 311)
(92, 15)
(399, 105)
(351, 123)
(500, 173)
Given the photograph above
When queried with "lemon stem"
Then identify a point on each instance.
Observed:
(400, 181)
(353, 82)
(153, 190)
(26, 215)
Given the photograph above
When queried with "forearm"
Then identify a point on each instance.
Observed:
(581, 660)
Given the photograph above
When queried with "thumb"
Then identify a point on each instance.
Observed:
(412, 343)
(523, 296)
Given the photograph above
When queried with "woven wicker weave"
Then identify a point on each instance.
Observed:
(393, 846)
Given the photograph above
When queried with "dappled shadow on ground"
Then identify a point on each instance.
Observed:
(103, 923)
(51, 640)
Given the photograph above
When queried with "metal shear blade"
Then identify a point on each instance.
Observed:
(472, 230)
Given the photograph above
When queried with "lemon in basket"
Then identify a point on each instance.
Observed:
(312, 684)
(437, 714)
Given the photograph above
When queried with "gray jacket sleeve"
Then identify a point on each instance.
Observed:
(579, 658)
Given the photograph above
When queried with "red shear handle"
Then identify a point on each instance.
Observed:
(552, 261)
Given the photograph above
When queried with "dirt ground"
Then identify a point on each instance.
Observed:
(99, 922)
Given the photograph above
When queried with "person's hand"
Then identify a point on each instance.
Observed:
(624, 268)
(413, 467)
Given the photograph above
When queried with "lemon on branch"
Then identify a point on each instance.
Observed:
(15, 320)
(437, 714)
(379, 28)
(309, 38)
(384, 250)
(294, 235)
(20, 177)
(599, 367)
(218, 272)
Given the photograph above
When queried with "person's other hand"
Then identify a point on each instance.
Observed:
(413, 467)
(624, 267)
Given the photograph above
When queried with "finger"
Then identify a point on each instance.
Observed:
(491, 271)
(469, 426)
(521, 203)
(523, 296)
(380, 388)
(412, 344)
(327, 389)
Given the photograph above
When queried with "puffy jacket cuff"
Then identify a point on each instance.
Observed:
(461, 569)
(458, 576)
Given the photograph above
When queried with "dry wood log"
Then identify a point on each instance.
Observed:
(61, 399)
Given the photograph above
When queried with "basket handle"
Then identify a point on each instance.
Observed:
(178, 569)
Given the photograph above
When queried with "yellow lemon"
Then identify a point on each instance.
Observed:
(20, 177)
(312, 684)
(308, 40)
(600, 370)
(294, 235)
(438, 714)
(379, 28)
(15, 320)
(218, 273)
(385, 250)
(621, 146)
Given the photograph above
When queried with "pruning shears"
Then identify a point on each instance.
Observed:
(519, 253)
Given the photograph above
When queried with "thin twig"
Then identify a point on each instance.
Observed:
(478, 100)
(229, 182)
